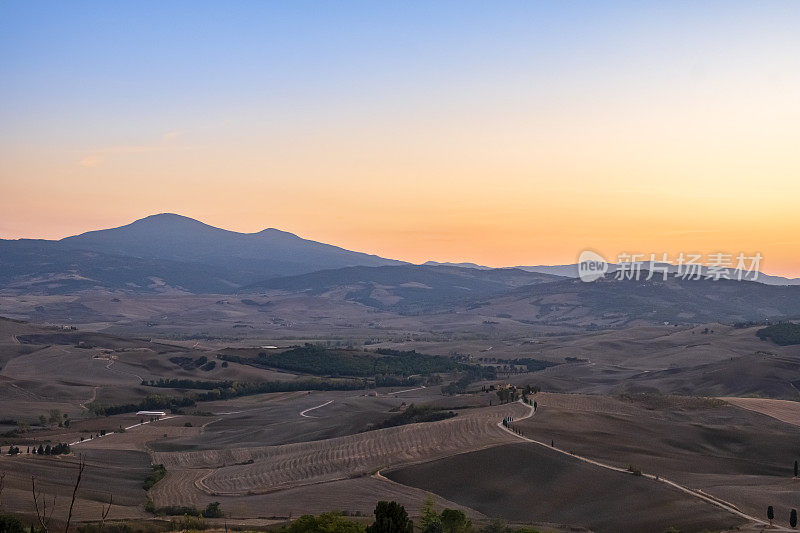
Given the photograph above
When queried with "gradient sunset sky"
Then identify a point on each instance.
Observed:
(505, 133)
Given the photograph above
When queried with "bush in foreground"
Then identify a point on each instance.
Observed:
(10, 524)
(325, 523)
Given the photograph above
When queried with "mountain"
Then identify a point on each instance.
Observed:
(270, 252)
(163, 252)
(461, 265)
(571, 271)
(169, 252)
(405, 288)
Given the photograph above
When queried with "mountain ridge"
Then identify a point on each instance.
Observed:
(167, 250)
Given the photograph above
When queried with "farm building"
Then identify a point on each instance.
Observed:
(151, 413)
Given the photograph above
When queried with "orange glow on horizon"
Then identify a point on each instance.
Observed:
(429, 139)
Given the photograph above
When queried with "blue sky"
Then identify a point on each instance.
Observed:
(472, 119)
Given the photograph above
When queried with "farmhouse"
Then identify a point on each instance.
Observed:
(151, 413)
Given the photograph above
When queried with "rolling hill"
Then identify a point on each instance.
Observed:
(170, 253)
(609, 301)
(544, 299)
(406, 288)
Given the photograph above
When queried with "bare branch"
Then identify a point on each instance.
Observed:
(41, 513)
(81, 467)
(106, 510)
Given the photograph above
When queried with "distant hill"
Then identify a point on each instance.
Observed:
(405, 288)
(167, 251)
(571, 271)
(609, 301)
(462, 265)
(48, 267)
(544, 299)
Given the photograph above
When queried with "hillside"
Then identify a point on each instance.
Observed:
(406, 288)
(612, 302)
(47, 267)
(534, 298)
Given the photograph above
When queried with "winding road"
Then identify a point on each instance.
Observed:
(112, 432)
(304, 413)
(108, 367)
(722, 504)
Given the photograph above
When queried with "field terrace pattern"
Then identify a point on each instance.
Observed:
(269, 468)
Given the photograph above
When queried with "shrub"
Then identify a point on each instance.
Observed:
(10, 524)
(213, 510)
(324, 523)
(157, 475)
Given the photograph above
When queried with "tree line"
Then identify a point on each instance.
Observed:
(320, 360)
(62, 448)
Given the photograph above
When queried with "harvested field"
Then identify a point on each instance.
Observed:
(273, 419)
(737, 455)
(351, 495)
(528, 483)
(120, 473)
(143, 436)
(285, 466)
(783, 410)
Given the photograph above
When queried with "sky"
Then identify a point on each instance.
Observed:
(504, 133)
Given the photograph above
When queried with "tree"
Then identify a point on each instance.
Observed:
(212, 510)
(770, 514)
(455, 521)
(391, 517)
(55, 417)
(431, 521)
(793, 518)
(795, 469)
